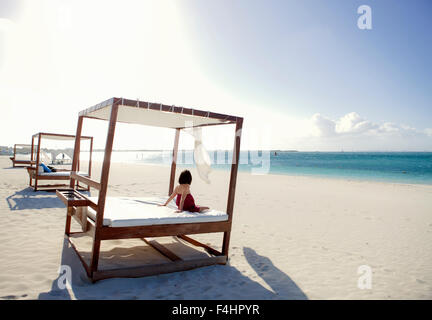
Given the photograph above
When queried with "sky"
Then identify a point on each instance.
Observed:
(302, 73)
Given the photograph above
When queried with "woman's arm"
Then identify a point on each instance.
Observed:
(171, 197)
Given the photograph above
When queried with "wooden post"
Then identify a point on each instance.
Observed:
(31, 159)
(232, 183)
(90, 157)
(32, 150)
(77, 147)
(75, 160)
(37, 161)
(104, 185)
(14, 156)
(174, 162)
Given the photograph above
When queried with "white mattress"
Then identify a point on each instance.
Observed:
(60, 174)
(128, 212)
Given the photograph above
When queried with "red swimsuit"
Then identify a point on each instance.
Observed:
(189, 203)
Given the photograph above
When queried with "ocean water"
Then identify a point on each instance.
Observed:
(403, 167)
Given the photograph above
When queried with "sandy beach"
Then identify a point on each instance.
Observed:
(293, 237)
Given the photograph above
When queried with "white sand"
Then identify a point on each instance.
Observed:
(293, 238)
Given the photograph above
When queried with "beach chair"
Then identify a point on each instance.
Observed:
(38, 156)
(109, 218)
(23, 160)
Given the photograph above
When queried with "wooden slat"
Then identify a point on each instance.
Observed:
(72, 198)
(162, 230)
(51, 187)
(162, 249)
(150, 270)
(49, 134)
(25, 162)
(43, 177)
(87, 181)
(202, 245)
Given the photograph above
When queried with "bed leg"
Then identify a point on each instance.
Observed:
(68, 222)
(225, 243)
(95, 256)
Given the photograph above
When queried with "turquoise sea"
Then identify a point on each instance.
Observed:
(404, 167)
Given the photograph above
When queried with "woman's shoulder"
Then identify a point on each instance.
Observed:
(182, 188)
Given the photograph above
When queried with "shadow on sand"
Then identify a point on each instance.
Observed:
(28, 199)
(282, 285)
(214, 282)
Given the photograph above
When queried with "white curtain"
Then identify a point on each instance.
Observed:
(201, 156)
(45, 157)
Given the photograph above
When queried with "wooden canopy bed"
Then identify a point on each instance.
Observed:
(61, 174)
(107, 218)
(19, 162)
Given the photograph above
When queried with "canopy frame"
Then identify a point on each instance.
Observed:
(19, 163)
(33, 170)
(99, 232)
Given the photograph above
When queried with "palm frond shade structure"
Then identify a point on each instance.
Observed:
(39, 156)
(20, 156)
(107, 218)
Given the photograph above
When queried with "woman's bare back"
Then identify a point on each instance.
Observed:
(182, 189)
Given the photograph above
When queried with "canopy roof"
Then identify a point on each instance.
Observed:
(58, 136)
(156, 114)
(63, 156)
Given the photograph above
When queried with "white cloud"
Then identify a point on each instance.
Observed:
(352, 132)
(323, 126)
(353, 125)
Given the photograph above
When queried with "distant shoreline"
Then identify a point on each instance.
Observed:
(8, 151)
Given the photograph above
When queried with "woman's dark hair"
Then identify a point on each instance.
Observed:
(185, 177)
